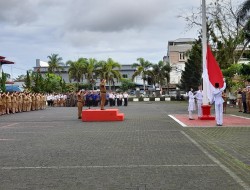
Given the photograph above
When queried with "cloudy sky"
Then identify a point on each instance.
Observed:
(121, 29)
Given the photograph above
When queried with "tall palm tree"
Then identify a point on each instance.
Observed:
(243, 21)
(161, 73)
(243, 12)
(142, 69)
(109, 70)
(55, 63)
(90, 68)
(77, 69)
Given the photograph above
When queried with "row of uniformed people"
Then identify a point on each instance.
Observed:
(57, 100)
(21, 102)
(92, 98)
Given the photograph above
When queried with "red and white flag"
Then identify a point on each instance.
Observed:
(211, 73)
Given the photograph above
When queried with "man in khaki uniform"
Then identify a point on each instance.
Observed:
(8, 103)
(13, 102)
(19, 100)
(80, 103)
(103, 93)
(33, 104)
(4, 104)
(1, 104)
(29, 102)
(248, 99)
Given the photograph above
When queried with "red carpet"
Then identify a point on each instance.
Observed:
(102, 115)
(228, 121)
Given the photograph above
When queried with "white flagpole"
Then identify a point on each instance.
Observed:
(204, 51)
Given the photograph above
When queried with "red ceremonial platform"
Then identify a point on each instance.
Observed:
(206, 113)
(102, 115)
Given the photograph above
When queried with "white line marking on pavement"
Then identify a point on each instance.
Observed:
(10, 125)
(107, 166)
(178, 121)
(239, 116)
(223, 167)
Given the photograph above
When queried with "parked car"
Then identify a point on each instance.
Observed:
(132, 92)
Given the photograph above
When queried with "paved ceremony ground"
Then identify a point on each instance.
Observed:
(51, 149)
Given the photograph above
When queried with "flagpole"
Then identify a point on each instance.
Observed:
(205, 107)
(204, 50)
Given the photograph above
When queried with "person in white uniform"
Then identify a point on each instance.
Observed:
(191, 104)
(218, 102)
(199, 97)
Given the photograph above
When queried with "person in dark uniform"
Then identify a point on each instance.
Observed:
(103, 93)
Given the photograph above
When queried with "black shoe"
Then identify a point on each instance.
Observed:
(191, 118)
(79, 117)
(240, 111)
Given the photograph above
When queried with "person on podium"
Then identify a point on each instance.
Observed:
(103, 93)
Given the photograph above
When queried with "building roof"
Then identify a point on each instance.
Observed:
(184, 40)
(3, 61)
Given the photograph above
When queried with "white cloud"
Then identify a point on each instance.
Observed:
(121, 29)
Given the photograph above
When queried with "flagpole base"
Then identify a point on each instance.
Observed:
(206, 113)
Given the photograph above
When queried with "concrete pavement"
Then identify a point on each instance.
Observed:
(52, 149)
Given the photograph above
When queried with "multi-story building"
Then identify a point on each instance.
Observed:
(177, 56)
(126, 71)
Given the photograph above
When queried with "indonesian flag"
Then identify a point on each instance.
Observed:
(212, 73)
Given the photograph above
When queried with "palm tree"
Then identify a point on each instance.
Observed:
(109, 70)
(55, 63)
(142, 69)
(243, 21)
(90, 68)
(161, 73)
(77, 69)
(242, 13)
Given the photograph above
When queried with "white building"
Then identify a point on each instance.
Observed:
(177, 56)
(126, 71)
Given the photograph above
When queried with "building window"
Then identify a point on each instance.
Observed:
(125, 76)
(181, 56)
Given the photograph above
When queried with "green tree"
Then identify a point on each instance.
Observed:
(3, 80)
(142, 69)
(161, 73)
(55, 63)
(230, 73)
(223, 32)
(89, 71)
(52, 83)
(126, 84)
(109, 70)
(191, 76)
(27, 81)
(77, 69)
(245, 71)
(38, 85)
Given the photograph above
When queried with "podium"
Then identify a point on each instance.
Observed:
(102, 115)
(206, 113)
